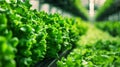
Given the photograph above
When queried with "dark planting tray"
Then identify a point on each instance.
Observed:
(51, 62)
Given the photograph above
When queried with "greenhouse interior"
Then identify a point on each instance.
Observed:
(59, 33)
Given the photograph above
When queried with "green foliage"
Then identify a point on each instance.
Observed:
(40, 35)
(95, 49)
(113, 28)
(8, 44)
(7, 51)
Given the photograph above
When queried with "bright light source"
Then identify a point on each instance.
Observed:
(91, 6)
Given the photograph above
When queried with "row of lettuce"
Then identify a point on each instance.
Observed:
(113, 28)
(95, 49)
(28, 36)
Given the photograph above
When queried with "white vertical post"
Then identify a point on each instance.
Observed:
(91, 6)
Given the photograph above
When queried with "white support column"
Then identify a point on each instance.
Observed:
(91, 6)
